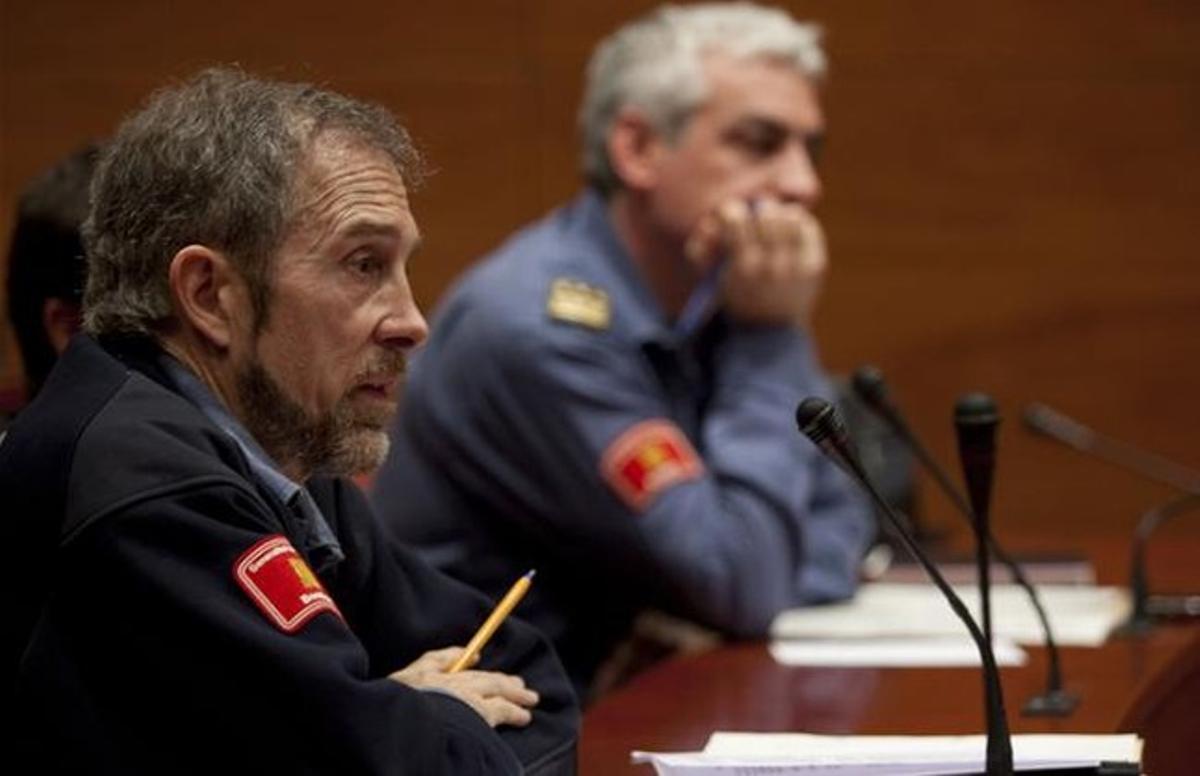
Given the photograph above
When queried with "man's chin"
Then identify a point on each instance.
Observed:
(371, 410)
(362, 451)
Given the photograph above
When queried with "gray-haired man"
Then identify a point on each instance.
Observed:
(608, 397)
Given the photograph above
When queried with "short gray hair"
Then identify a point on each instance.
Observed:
(655, 64)
(212, 161)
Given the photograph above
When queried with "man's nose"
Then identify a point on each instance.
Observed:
(796, 178)
(403, 326)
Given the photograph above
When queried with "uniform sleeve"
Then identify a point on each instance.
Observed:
(404, 607)
(743, 520)
(168, 621)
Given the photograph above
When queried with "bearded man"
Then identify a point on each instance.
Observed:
(201, 589)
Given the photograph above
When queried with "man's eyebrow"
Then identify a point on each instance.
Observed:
(767, 118)
(369, 228)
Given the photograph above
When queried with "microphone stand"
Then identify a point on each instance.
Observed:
(1146, 608)
(819, 421)
(1141, 618)
(1055, 701)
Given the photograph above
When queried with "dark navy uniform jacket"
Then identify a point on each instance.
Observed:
(142, 640)
(534, 430)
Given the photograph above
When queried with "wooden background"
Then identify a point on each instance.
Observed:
(1012, 186)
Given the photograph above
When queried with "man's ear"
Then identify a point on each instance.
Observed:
(208, 293)
(634, 148)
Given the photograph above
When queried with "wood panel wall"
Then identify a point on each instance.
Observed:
(1012, 186)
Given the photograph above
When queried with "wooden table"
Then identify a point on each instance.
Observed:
(677, 704)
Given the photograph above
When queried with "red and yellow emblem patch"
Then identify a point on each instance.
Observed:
(647, 459)
(282, 585)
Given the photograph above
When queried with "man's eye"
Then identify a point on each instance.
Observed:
(760, 139)
(366, 264)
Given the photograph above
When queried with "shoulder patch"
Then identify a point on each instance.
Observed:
(278, 580)
(574, 301)
(648, 458)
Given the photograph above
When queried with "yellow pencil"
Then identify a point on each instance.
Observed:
(506, 605)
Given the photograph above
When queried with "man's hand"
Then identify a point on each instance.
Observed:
(499, 698)
(775, 260)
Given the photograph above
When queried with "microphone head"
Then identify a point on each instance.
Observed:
(1040, 418)
(817, 419)
(869, 385)
(975, 421)
(975, 409)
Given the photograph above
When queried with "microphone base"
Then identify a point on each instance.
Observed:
(1136, 627)
(1057, 703)
(1173, 607)
(1159, 609)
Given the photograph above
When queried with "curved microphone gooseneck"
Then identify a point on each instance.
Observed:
(1142, 617)
(1053, 424)
(818, 420)
(871, 388)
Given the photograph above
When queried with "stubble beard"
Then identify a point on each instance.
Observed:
(349, 439)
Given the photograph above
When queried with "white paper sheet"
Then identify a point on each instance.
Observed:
(898, 652)
(785, 754)
(1080, 615)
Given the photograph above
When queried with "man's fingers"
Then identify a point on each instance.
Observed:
(438, 659)
(445, 656)
(785, 240)
(498, 711)
(742, 237)
(425, 670)
(493, 684)
(813, 241)
(501, 699)
(776, 261)
(769, 241)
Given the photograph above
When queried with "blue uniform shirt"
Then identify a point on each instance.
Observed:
(557, 420)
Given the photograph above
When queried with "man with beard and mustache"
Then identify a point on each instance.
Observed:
(201, 589)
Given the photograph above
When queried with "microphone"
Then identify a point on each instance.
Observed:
(1146, 608)
(871, 387)
(818, 420)
(1070, 432)
(975, 422)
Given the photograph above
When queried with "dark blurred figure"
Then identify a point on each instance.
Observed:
(45, 263)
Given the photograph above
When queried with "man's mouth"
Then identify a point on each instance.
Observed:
(382, 387)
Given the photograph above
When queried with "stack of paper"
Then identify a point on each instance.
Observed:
(785, 754)
(893, 652)
(907, 625)
(1080, 615)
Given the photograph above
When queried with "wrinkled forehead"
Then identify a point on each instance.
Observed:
(341, 171)
(334, 154)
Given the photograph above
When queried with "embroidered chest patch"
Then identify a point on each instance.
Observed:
(648, 458)
(282, 585)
